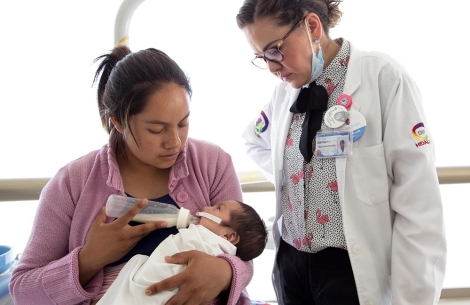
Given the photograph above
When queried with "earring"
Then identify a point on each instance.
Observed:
(316, 40)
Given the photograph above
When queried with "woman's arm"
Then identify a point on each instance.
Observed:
(51, 271)
(48, 270)
(418, 244)
(257, 136)
(242, 273)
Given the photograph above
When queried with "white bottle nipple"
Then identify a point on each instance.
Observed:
(183, 219)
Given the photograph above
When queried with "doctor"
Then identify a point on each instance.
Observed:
(364, 228)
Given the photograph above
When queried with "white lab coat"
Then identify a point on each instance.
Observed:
(142, 271)
(388, 188)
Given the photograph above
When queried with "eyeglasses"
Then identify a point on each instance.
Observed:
(274, 53)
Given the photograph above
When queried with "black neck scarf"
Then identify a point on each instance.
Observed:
(313, 101)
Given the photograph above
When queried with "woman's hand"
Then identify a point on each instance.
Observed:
(108, 242)
(202, 281)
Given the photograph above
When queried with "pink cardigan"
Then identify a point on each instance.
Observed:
(48, 270)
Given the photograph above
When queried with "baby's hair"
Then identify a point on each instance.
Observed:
(251, 229)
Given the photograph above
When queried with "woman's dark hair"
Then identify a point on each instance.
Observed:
(251, 230)
(287, 12)
(126, 80)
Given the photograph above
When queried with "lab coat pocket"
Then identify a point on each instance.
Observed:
(369, 174)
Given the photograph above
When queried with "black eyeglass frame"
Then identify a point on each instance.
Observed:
(276, 47)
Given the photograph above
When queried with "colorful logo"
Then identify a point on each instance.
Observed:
(419, 132)
(261, 124)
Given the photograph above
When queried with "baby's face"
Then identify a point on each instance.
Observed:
(222, 210)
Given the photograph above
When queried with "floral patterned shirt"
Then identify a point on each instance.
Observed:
(310, 201)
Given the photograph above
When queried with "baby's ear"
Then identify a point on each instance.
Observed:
(232, 237)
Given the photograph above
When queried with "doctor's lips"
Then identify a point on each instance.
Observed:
(285, 76)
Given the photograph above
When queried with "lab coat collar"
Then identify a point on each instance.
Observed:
(353, 75)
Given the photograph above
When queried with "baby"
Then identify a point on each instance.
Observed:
(229, 227)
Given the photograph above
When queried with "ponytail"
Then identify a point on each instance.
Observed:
(108, 63)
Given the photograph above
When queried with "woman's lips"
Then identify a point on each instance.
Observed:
(170, 157)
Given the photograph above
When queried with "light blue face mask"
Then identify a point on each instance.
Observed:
(317, 59)
(317, 65)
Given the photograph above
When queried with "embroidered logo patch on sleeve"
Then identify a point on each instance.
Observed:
(261, 124)
(419, 133)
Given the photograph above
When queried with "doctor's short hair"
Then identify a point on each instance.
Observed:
(251, 229)
(289, 12)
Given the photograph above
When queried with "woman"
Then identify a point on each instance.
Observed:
(361, 225)
(75, 251)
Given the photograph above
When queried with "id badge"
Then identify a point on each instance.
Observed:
(333, 143)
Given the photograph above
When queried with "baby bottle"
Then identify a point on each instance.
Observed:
(153, 211)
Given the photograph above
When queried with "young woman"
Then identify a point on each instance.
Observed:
(361, 225)
(75, 251)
